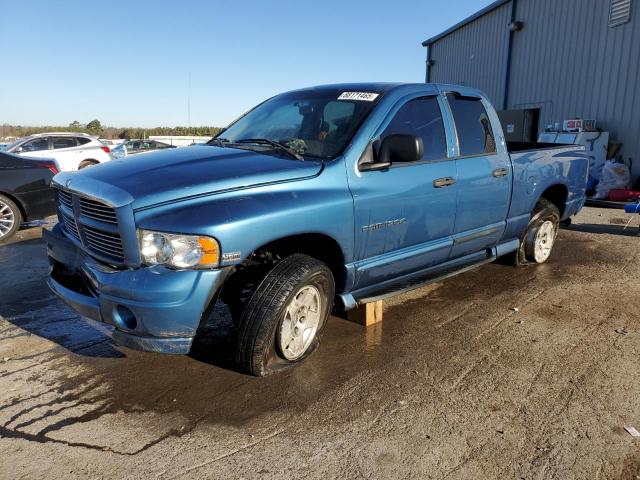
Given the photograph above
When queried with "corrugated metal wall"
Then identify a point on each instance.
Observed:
(475, 55)
(566, 60)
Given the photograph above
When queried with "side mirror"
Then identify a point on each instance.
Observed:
(400, 148)
(18, 150)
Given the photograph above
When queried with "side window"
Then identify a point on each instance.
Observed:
(63, 142)
(82, 140)
(421, 117)
(475, 136)
(36, 145)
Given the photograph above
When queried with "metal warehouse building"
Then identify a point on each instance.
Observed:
(567, 58)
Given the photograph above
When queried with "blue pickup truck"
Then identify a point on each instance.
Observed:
(314, 201)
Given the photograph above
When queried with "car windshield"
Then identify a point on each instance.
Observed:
(12, 145)
(314, 123)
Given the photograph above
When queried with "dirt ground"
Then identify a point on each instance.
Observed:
(455, 383)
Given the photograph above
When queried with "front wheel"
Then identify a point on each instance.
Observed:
(283, 319)
(10, 218)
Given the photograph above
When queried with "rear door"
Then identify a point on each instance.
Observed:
(404, 215)
(484, 176)
(65, 151)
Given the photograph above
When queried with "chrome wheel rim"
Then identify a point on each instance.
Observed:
(545, 237)
(300, 322)
(7, 219)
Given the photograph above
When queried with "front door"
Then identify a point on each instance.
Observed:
(484, 178)
(404, 216)
(37, 148)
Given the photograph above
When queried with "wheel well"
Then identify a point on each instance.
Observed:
(23, 212)
(557, 194)
(88, 161)
(317, 245)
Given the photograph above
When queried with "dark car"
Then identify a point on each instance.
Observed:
(25, 191)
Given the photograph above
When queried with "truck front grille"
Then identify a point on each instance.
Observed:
(93, 224)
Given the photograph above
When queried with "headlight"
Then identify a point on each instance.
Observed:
(178, 251)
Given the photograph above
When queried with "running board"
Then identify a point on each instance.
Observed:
(415, 280)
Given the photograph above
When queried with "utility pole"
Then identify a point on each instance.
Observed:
(189, 103)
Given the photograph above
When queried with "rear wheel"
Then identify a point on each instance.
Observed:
(10, 218)
(538, 242)
(283, 319)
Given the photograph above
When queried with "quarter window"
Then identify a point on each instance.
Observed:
(475, 136)
(421, 117)
(63, 142)
(82, 140)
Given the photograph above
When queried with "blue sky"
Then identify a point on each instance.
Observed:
(128, 63)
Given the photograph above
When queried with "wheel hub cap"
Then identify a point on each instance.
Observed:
(544, 241)
(300, 323)
(7, 219)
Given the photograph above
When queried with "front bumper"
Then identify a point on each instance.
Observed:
(153, 308)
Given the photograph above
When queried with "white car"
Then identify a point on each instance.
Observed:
(72, 151)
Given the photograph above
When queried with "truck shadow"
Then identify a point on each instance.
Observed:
(631, 231)
(216, 339)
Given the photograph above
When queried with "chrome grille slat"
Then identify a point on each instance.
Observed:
(65, 198)
(100, 242)
(104, 249)
(98, 211)
(106, 236)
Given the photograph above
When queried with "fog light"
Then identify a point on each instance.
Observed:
(125, 318)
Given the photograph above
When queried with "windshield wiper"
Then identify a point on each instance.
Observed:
(218, 142)
(277, 145)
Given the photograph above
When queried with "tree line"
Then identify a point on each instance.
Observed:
(96, 129)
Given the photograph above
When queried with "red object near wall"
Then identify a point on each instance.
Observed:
(622, 195)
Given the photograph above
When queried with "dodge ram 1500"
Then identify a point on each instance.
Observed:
(317, 199)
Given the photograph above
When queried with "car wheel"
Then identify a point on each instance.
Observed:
(87, 163)
(538, 242)
(10, 218)
(284, 317)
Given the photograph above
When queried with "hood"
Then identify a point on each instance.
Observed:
(179, 173)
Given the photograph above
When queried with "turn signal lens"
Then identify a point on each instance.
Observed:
(210, 250)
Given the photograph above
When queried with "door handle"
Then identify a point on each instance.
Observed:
(443, 182)
(500, 172)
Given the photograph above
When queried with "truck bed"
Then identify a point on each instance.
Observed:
(527, 146)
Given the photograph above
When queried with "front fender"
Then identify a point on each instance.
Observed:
(243, 221)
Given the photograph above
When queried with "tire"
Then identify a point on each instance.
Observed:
(87, 163)
(10, 218)
(284, 317)
(538, 241)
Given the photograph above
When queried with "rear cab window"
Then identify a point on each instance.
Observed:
(475, 135)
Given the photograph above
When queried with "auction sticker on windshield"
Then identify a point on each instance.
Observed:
(362, 96)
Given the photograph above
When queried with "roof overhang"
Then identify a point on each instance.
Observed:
(466, 21)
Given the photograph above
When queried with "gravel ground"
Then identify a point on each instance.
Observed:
(501, 372)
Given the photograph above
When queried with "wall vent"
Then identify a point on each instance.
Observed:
(619, 12)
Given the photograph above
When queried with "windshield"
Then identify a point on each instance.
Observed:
(12, 145)
(312, 123)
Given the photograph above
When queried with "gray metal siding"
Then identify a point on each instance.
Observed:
(566, 60)
(570, 63)
(475, 54)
